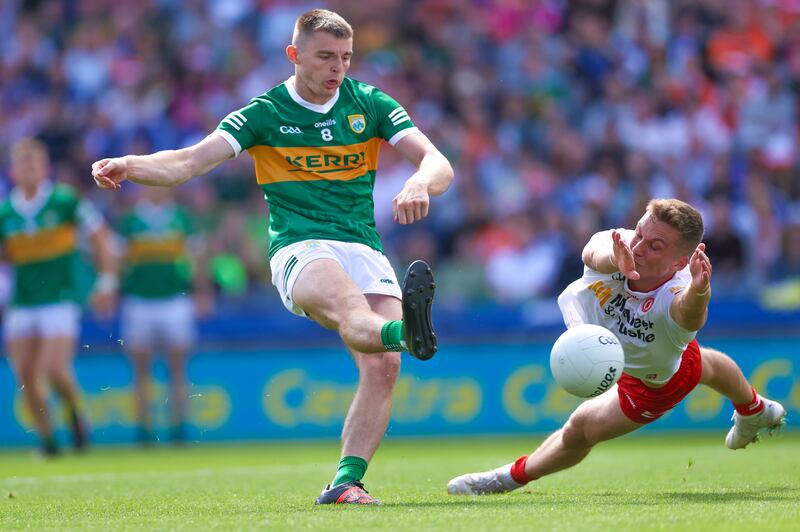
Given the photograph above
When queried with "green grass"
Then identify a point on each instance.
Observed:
(654, 481)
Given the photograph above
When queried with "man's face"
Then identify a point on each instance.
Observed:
(657, 249)
(321, 61)
(29, 167)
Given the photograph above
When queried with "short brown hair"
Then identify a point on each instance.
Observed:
(321, 20)
(680, 216)
(26, 145)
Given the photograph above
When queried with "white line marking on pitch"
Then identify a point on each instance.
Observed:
(206, 472)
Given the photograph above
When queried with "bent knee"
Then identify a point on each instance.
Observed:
(341, 315)
(575, 435)
(382, 368)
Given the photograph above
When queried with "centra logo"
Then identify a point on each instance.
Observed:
(387, 281)
(292, 130)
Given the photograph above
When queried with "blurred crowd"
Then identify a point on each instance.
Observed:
(560, 117)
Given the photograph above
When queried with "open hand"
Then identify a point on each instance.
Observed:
(109, 173)
(700, 268)
(623, 257)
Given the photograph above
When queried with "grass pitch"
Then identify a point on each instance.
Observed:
(652, 481)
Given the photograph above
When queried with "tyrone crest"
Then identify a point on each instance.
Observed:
(357, 123)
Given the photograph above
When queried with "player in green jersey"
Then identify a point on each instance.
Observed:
(158, 271)
(39, 228)
(315, 140)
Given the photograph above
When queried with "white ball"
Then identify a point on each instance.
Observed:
(587, 360)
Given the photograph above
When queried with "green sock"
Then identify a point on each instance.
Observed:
(392, 336)
(350, 468)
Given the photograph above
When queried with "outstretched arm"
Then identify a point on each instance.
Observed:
(165, 168)
(689, 309)
(607, 252)
(433, 177)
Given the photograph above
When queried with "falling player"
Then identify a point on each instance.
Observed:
(657, 278)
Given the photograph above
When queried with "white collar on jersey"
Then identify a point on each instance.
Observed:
(649, 292)
(155, 214)
(28, 208)
(324, 108)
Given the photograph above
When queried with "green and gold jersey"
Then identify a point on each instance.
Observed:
(40, 237)
(156, 264)
(317, 163)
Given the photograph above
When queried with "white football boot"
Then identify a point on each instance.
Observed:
(745, 428)
(495, 481)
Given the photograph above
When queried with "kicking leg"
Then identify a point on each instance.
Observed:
(328, 295)
(595, 420)
(752, 411)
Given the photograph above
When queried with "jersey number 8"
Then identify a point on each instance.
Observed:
(326, 134)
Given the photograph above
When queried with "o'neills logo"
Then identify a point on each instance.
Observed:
(608, 379)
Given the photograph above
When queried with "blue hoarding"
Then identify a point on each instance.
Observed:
(301, 393)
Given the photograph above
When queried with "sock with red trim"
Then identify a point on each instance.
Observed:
(751, 408)
(518, 471)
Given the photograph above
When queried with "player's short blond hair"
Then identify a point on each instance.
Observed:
(680, 216)
(28, 145)
(316, 20)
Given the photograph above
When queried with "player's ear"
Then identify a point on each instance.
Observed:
(681, 263)
(291, 53)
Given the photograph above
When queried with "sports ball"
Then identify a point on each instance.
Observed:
(587, 360)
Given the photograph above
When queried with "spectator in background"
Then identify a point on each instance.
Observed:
(723, 246)
(39, 230)
(787, 266)
(164, 262)
(527, 98)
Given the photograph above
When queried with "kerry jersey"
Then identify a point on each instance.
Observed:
(652, 341)
(40, 238)
(157, 264)
(316, 163)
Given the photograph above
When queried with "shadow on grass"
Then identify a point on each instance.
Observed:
(550, 499)
(775, 494)
(506, 502)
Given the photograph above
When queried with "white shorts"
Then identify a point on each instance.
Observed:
(151, 323)
(368, 268)
(44, 321)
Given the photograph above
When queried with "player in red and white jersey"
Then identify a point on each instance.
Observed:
(651, 287)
